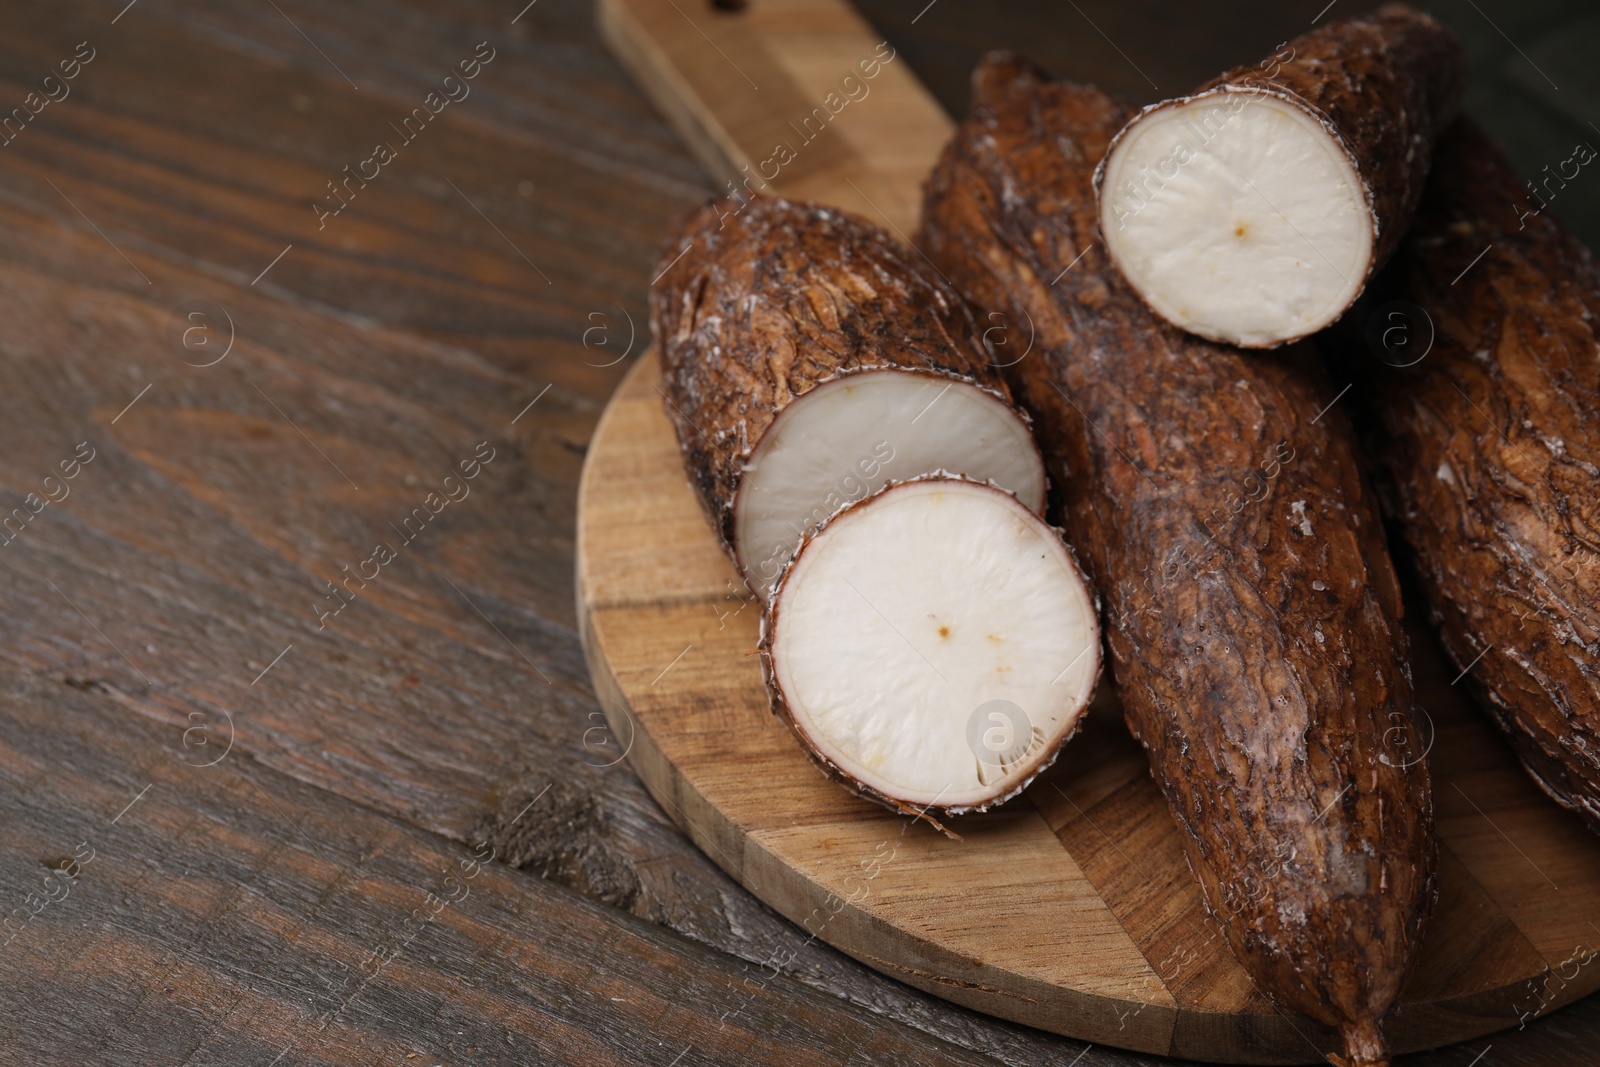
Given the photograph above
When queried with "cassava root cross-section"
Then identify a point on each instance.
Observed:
(1253, 210)
(933, 645)
(809, 359)
(1491, 446)
(1252, 613)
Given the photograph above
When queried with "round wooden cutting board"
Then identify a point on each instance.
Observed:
(1070, 908)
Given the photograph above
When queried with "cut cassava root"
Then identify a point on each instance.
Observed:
(1257, 651)
(1254, 210)
(1490, 445)
(933, 645)
(808, 360)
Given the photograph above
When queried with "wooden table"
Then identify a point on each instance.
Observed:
(270, 793)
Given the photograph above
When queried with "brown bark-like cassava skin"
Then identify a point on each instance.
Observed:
(1384, 85)
(1491, 448)
(1252, 610)
(759, 302)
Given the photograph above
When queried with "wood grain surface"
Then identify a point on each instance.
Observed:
(275, 906)
(808, 76)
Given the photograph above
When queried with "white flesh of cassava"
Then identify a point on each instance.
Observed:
(849, 437)
(1236, 217)
(936, 643)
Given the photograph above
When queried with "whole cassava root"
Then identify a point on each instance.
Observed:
(1257, 647)
(1254, 210)
(1490, 444)
(809, 358)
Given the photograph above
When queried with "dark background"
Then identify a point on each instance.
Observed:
(1533, 66)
